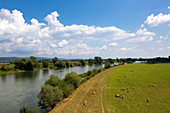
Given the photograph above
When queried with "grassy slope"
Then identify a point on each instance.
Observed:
(106, 86)
(140, 76)
(74, 104)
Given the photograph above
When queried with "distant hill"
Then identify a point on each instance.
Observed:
(11, 59)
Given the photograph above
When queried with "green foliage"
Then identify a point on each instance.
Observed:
(97, 60)
(33, 58)
(73, 79)
(110, 60)
(68, 64)
(82, 62)
(54, 60)
(45, 64)
(90, 61)
(25, 110)
(66, 88)
(60, 64)
(49, 96)
(25, 64)
(53, 81)
(95, 71)
(107, 65)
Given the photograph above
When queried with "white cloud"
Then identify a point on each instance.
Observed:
(158, 19)
(127, 49)
(123, 49)
(161, 37)
(63, 43)
(113, 44)
(140, 39)
(168, 47)
(53, 45)
(43, 39)
(160, 49)
(142, 35)
(158, 41)
(168, 7)
(144, 32)
(52, 20)
(104, 47)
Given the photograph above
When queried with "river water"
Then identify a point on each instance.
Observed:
(21, 89)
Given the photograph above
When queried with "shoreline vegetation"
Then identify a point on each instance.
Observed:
(23, 64)
(56, 90)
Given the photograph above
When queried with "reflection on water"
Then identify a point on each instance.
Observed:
(21, 89)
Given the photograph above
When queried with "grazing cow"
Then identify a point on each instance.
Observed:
(85, 103)
(94, 93)
(147, 100)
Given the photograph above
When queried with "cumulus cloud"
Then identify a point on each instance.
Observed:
(158, 19)
(140, 39)
(127, 49)
(52, 38)
(168, 47)
(158, 41)
(142, 35)
(104, 47)
(63, 43)
(168, 7)
(123, 49)
(113, 44)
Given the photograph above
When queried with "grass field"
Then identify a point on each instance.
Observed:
(108, 83)
(139, 76)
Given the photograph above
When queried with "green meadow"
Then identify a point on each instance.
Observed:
(137, 83)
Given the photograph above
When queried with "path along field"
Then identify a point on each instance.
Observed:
(135, 79)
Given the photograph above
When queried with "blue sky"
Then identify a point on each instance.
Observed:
(85, 28)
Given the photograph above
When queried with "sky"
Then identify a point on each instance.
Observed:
(85, 28)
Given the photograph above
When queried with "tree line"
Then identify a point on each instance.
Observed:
(32, 63)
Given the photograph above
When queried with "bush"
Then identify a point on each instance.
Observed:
(66, 89)
(25, 110)
(53, 81)
(49, 96)
(73, 79)
(107, 65)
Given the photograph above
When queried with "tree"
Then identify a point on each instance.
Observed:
(67, 64)
(54, 60)
(82, 62)
(49, 96)
(73, 79)
(17, 64)
(53, 81)
(45, 64)
(66, 88)
(90, 61)
(110, 60)
(25, 110)
(97, 60)
(29, 65)
(60, 64)
(107, 65)
(32, 58)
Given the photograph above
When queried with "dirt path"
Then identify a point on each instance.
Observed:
(74, 103)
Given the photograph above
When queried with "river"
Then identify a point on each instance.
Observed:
(21, 89)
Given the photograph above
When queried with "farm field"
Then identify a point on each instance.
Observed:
(132, 82)
(136, 79)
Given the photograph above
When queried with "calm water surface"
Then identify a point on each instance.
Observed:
(21, 89)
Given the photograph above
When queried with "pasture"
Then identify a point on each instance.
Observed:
(141, 88)
(145, 88)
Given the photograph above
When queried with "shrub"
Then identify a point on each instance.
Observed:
(49, 96)
(53, 81)
(73, 79)
(66, 89)
(107, 65)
